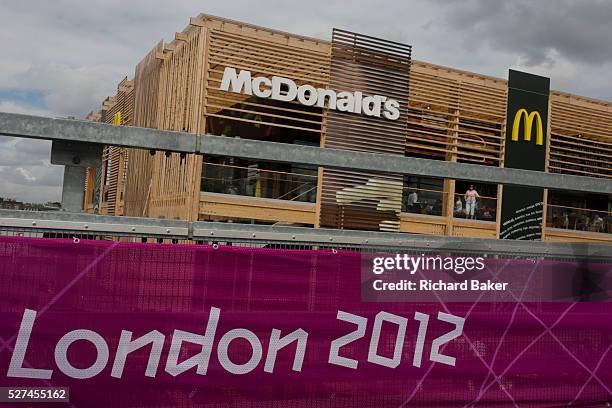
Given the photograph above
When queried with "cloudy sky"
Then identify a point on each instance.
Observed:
(63, 57)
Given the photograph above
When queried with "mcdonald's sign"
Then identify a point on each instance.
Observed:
(527, 120)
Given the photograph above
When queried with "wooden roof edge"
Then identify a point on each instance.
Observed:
(575, 99)
(94, 116)
(198, 22)
(109, 102)
(466, 75)
(588, 102)
(125, 85)
(204, 17)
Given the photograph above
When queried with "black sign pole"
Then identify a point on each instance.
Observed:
(525, 148)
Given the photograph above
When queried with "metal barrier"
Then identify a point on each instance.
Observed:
(62, 224)
(76, 144)
(79, 136)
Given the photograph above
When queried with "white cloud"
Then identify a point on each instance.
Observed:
(16, 107)
(75, 52)
(26, 173)
(39, 183)
(69, 91)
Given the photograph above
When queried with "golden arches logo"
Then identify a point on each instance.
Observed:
(117, 119)
(527, 125)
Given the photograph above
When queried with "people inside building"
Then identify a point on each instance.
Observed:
(458, 207)
(582, 212)
(566, 221)
(471, 196)
(486, 214)
(413, 198)
(427, 209)
(598, 223)
(582, 223)
(413, 204)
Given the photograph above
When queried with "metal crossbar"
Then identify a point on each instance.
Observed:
(65, 224)
(70, 130)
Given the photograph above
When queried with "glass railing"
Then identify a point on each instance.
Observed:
(484, 209)
(260, 183)
(423, 201)
(579, 219)
(430, 202)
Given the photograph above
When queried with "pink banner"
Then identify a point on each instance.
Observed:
(124, 324)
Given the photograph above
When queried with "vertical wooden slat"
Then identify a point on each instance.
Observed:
(140, 167)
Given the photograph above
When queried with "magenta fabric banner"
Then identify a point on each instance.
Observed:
(142, 325)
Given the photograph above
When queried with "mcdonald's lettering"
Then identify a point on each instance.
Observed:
(527, 126)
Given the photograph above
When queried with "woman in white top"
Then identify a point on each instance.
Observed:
(470, 201)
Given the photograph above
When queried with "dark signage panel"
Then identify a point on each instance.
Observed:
(368, 66)
(525, 148)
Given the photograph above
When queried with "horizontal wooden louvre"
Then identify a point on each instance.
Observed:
(482, 111)
(432, 115)
(365, 200)
(581, 138)
(263, 57)
(453, 118)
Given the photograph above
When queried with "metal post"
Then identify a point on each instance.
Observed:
(75, 157)
(73, 192)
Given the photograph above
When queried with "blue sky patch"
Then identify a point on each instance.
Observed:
(30, 97)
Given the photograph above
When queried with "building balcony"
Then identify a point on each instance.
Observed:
(568, 223)
(262, 193)
(253, 194)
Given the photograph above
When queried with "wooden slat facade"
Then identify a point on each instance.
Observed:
(264, 55)
(108, 183)
(447, 114)
(455, 115)
(365, 200)
(581, 136)
(140, 166)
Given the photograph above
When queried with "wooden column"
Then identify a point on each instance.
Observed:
(545, 203)
(500, 187)
(449, 185)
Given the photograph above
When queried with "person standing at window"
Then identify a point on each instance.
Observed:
(471, 195)
(413, 199)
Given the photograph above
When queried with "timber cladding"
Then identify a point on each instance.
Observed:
(455, 116)
(140, 165)
(445, 113)
(169, 81)
(263, 53)
(177, 89)
(174, 184)
(118, 110)
(362, 200)
(580, 136)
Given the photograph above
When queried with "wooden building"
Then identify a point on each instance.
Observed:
(444, 114)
